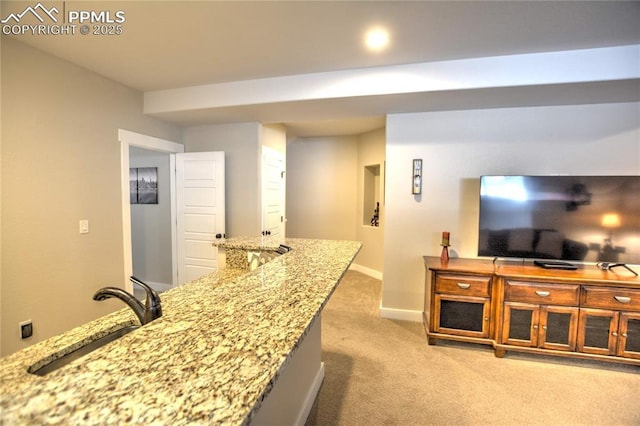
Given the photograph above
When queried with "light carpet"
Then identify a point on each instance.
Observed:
(382, 372)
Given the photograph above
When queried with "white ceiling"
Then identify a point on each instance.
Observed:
(172, 44)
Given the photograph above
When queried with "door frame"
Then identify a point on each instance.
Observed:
(128, 139)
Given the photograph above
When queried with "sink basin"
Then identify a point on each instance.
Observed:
(81, 351)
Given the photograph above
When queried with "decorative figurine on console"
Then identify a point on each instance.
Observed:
(444, 256)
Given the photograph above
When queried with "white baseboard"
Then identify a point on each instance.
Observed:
(390, 313)
(367, 271)
(400, 314)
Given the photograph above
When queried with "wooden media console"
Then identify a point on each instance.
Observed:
(584, 313)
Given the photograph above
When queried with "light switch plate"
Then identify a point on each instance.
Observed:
(84, 226)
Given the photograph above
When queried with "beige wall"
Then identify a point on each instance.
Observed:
(61, 164)
(322, 188)
(457, 147)
(325, 192)
(241, 145)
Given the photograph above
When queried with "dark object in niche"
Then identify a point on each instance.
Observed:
(376, 215)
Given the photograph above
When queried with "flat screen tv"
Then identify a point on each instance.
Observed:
(577, 219)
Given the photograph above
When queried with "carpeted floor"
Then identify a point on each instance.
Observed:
(382, 372)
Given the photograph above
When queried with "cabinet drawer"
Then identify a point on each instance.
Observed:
(467, 285)
(556, 294)
(621, 299)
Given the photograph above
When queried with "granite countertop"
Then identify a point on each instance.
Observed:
(211, 358)
(260, 243)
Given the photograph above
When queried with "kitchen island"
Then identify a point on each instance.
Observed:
(220, 352)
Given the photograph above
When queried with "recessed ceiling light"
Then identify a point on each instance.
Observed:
(376, 39)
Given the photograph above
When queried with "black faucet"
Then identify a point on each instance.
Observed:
(152, 303)
(146, 313)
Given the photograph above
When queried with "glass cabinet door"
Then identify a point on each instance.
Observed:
(598, 331)
(520, 325)
(465, 316)
(629, 335)
(558, 327)
(550, 327)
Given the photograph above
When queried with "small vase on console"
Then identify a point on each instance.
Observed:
(444, 256)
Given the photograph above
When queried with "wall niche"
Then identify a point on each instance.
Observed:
(371, 196)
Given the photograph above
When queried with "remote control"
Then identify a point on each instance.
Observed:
(555, 265)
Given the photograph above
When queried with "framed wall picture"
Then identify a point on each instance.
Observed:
(143, 185)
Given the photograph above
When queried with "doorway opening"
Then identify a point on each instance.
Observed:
(150, 205)
(127, 140)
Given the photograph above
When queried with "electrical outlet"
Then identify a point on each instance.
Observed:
(84, 226)
(26, 329)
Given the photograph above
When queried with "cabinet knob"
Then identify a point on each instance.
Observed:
(544, 327)
(614, 334)
(542, 293)
(622, 299)
(624, 335)
(535, 327)
(486, 318)
(464, 285)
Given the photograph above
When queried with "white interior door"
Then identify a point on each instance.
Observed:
(273, 212)
(200, 204)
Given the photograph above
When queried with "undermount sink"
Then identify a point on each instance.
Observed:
(81, 351)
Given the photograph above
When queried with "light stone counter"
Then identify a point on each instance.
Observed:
(248, 252)
(260, 243)
(223, 342)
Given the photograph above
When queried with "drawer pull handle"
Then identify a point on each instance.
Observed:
(622, 299)
(542, 293)
(463, 285)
